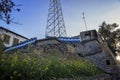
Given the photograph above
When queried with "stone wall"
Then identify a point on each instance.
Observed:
(93, 49)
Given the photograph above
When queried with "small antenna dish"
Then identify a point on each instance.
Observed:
(84, 21)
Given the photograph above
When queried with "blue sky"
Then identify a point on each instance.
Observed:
(33, 16)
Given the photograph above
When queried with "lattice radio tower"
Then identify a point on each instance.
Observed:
(55, 22)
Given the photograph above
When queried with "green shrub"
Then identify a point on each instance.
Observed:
(32, 67)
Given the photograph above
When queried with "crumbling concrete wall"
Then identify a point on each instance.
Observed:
(91, 48)
(95, 50)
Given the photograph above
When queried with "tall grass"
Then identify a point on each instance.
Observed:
(32, 66)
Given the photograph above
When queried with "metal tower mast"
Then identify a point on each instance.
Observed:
(84, 20)
(55, 22)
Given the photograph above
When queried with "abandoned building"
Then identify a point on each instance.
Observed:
(88, 46)
(11, 38)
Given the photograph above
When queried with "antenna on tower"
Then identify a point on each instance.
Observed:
(55, 21)
(84, 21)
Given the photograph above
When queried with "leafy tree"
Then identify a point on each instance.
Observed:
(6, 7)
(118, 40)
(110, 34)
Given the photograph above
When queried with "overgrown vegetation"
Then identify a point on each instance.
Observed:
(32, 66)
